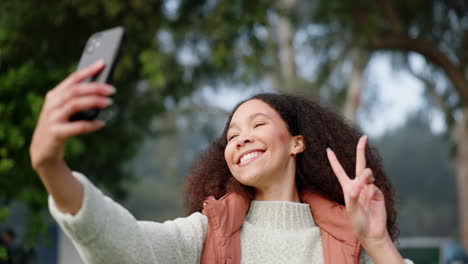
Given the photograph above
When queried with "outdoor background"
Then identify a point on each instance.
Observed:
(397, 69)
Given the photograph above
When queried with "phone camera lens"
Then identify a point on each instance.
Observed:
(90, 48)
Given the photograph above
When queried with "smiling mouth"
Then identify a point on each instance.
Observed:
(249, 158)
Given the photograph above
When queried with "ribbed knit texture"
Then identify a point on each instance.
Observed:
(105, 232)
(280, 232)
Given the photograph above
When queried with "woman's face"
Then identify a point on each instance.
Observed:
(260, 147)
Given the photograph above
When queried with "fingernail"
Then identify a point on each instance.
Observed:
(365, 136)
(109, 101)
(99, 62)
(328, 150)
(112, 89)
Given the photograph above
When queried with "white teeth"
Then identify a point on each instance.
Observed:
(250, 156)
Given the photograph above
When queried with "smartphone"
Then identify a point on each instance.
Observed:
(100, 45)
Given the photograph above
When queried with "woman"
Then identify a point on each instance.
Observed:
(268, 182)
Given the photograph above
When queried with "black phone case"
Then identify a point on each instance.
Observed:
(101, 45)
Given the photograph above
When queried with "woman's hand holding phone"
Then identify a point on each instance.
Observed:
(53, 129)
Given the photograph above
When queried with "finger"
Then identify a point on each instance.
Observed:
(370, 192)
(356, 191)
(71, 129)
(366, 176)
(50, 100)
(82, 74)
(365, 179)
(61, 97)
(362, 196)
(365, 198)
(80, 104)
(354, 196)
(337, 168)
(87, 89)
(92, 88)
(361, 155)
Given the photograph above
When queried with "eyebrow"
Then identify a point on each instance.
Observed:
(252, 116)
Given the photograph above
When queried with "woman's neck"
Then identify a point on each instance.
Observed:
(281, 185)
(278, 193)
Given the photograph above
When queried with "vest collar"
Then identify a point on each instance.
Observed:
(226, 216)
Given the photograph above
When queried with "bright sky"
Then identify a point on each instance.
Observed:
(398, 94)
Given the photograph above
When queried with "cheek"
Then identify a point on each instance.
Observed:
(283, 138)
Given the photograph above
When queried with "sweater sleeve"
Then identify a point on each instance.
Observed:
(105, 232)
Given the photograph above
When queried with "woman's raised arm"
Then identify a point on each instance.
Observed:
(53, 129)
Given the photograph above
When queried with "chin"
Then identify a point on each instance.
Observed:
(250, 178)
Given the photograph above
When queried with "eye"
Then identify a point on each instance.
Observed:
(258, 124)
(232, 137)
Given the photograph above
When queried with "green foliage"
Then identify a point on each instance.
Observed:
(4, 211)
(35, 227)
(3, 253)
(37, 50)
(40, 43)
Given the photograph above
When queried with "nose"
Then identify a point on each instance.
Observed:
(242, 140)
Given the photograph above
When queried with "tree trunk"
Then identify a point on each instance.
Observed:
(272, 73)
(353, 96)
(461, 168)
(286, 49)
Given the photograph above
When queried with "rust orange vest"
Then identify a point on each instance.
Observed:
(226, 216)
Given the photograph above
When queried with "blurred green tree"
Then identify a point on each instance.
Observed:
(436, 30)
(40, 45)
(172, 48)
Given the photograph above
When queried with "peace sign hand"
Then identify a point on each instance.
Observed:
(365, 203)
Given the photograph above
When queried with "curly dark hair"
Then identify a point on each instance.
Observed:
(321, 128)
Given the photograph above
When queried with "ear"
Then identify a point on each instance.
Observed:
(298, 145)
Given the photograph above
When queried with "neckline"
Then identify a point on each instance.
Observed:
(280, 215)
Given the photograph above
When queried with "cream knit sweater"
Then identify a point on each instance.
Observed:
(105, 232)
